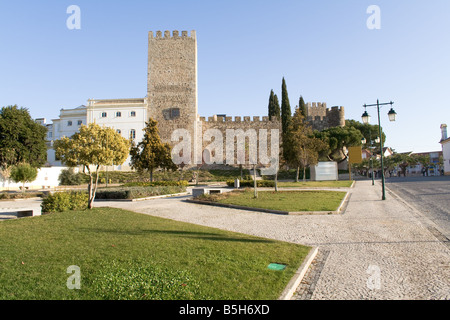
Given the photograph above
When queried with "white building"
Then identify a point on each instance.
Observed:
(445, 142)
(126, 116)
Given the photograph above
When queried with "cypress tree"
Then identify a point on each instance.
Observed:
(286, 113)
(286, 119)
(276, 107)
(271, 105)
(303, 109)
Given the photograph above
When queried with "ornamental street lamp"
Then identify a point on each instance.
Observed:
(366, 119)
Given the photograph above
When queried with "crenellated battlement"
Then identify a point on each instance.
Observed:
(321, 117)
(167, 35)
(238, 119)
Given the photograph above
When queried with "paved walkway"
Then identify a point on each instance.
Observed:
(375, 250)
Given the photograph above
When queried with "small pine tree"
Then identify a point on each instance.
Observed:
(23, 172)
(151, 153)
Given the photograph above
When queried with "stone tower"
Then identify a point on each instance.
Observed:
(172, 81)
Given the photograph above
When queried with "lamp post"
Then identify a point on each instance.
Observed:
(366, 119)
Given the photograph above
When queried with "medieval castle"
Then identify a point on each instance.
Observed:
(172, 100)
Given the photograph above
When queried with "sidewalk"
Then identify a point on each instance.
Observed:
(374, 250)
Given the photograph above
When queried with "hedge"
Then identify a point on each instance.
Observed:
(182, 183)
(250, 183)
(137, 192)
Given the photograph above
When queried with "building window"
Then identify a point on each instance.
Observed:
(118, 114)
(50, 134)
(104, 114)
(171, 113)
(132, 134)
(69, 123)
(80, 122)
(133, 114)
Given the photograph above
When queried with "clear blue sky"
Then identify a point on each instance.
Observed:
(323, 49)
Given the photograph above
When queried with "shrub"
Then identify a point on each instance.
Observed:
(68, 177)
(250, 183)
(64, 201)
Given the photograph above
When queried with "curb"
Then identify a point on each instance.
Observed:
(298, 276)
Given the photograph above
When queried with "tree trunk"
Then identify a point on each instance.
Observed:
(254, 181)
(276, 181)
(151, 174)
(90, 200)
(93, 189)
(304, 174)
(297, 174)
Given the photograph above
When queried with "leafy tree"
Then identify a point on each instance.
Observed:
(424, 160)
(338, 139)
(24, 173)
(370, 132)
(304, 148)
(403, 160)
(151, 153)
(91, 147)
(22, 140)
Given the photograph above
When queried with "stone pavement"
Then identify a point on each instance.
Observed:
(374, 250)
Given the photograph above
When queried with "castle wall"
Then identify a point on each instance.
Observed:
(260, 142)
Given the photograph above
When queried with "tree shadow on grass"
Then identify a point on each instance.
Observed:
(179, 233)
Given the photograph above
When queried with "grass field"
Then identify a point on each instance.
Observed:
(291, 201)
(126, 255)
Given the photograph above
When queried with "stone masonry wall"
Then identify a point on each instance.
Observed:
(172, 80)
(261, 126)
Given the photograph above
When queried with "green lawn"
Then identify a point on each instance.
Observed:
(317, 184)
(126, 255)
(292, 201)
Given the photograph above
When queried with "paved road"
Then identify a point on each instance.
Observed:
(429, 195)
